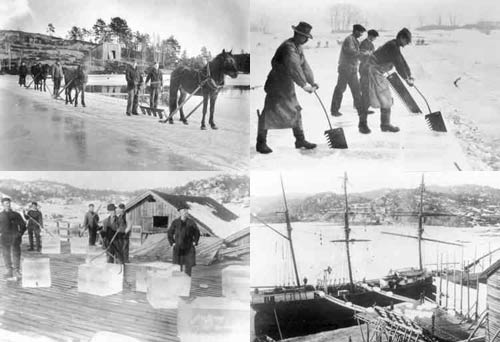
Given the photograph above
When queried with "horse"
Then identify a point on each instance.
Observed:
(75, 79)
(186, 80)
(40, 73)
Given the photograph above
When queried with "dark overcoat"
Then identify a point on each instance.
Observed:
(185, 235)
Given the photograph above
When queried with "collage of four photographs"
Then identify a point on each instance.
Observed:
(246, 170)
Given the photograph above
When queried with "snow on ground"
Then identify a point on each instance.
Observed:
(470, 110)
(221, 228)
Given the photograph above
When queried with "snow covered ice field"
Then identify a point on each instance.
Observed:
(470, 110)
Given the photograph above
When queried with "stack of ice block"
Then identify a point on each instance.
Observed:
(236, 282)
(100, 279)
(79, 245)
(142, 271)
(51, 244)
(165, 287)
(36, 272)
(212, 319)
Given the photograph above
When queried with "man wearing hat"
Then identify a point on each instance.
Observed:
(23, 71)
(348, 71)
(281, 107)
(109, 234)
(184, 235)
(12, 228)
(34, 219)
(57, 76)
(123, 237)
(91, 223)
(375, 87)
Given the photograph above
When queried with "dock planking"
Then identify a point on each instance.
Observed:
(63, 314)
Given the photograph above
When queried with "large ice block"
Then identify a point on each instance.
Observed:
(100, 279)
(165, 287)
(36, 272)
(51, 244)
(213, 319)
(236, 282)
(142, 270)
(79, 245)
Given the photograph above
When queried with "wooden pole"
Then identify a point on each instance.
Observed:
(347, 231)
(441, 280)
(477, 284)
(462, 284)
(438, 288)
(447, 282)
(468, 294)
(454, 282)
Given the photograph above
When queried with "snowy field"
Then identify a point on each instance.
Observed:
(371, 260)
(471, 110)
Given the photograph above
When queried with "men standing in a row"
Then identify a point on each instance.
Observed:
(57, 76)
(91, 223)
(34, 219)
(350, 55)
(115, 230)
(156, 86)
(12, 228)
(23, 71)
(184, 235)
(281, 107)
(134, 83)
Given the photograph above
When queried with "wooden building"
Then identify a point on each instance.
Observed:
(492, 275)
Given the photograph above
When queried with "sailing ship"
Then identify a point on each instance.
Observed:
(284, 312)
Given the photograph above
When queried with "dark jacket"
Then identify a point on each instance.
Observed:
(156, 78)
(57, 71)
(133, 77)
(289, 67)
(23, 70)
(349, 54)
(91, 220)
(11, 225)
(390, 52)
(185, 234)
(109, 227)
(34, 215)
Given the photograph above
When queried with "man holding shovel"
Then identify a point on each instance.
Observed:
(34, 219)
(375, 86)
(109, 234)
(281, 107)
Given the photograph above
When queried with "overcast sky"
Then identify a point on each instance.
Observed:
(216, 24)
(115, 180)
(268, 183)
(381, 14)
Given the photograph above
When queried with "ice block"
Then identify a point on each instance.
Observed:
(142, 270)
(51, 244)
(236, 282)
(100, 279)
(213, 319)
(165, 287)
(79, 245)
(36, 272)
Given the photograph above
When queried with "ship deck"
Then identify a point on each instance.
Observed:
(61, 313)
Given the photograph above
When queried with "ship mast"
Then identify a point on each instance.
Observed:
(289, 232)
(347, 232)
(420, 224)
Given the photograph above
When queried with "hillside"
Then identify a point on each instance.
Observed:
(472, 205)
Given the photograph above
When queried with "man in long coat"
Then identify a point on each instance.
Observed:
(281, 107)
(109, 233)
(23, 71)
(350, 55)
(134, 82)
(12, 228)
(184, 235)
(368, 48)
(375, 88)
(57, 76)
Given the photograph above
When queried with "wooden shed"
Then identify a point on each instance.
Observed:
(154, 211)
(492, 275)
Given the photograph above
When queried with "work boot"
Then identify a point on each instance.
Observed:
(31, 249)
(300, 140)
(337, 113)
(9, 274)
(363, 125)
(184, 121)
(385, 121)
(261, 145)
(16, 274)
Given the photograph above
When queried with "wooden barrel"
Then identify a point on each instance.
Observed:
(493, 301)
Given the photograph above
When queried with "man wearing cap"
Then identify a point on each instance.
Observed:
(366, 46)
(34, 220)
(123, 237)
(156, 78)
(348, 71)
(23, 71)
(109, 234)
(91, 223)
(184, 235)
(375, 87)
(281, 107)
(134, 82)
(57, 76)
(12, 228)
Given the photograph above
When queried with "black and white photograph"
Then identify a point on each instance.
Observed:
(396, 257)
(157, 85)
(408, 84)
(124, 256)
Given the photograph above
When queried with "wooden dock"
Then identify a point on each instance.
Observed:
(62, 313)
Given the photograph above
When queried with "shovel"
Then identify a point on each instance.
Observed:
(334, 136)
(403, 93)
(434, 119)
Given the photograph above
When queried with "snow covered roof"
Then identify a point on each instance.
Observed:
(206, 211)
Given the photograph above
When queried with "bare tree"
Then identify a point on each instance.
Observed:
(343, 16)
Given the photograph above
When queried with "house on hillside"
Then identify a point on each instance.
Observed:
(107, 51)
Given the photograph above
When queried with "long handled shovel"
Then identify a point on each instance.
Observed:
(434, 120)
(334, 136)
